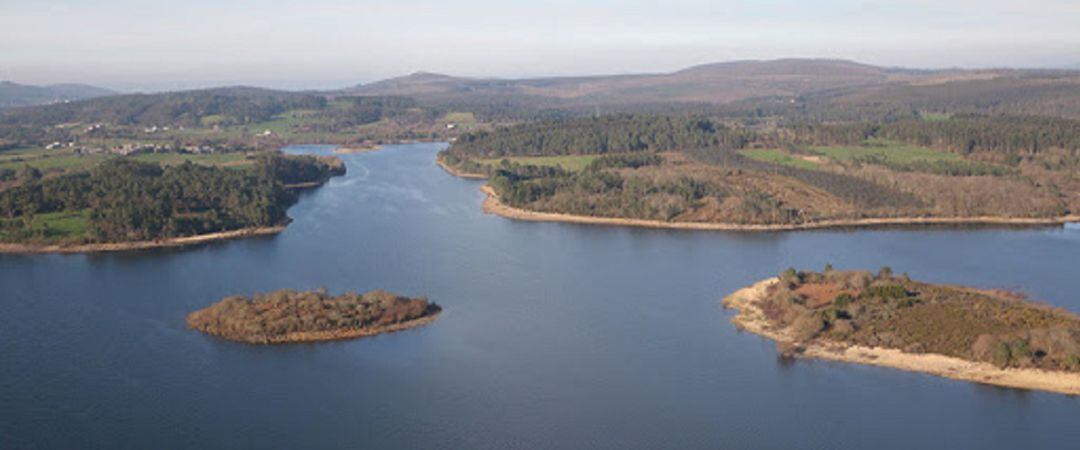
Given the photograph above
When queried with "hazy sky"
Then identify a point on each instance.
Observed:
(131, 44)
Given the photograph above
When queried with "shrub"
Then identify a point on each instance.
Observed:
(1073, 362)
(885, 291)
(1002, 355)
(843, 300)
(832, 314)
(806, 327)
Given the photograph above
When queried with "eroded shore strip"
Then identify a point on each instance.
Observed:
(751, 318)
(141, 245)
(459, 173)
(357, 149)
(336, 335)
(493, 205)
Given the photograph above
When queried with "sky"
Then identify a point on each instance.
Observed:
(151, 45)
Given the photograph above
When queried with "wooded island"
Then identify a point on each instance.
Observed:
(290, 316)
(987, 336)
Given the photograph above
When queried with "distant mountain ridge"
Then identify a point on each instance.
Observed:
(15, 94)
(722, 82)
(714, 83)
(807, 89)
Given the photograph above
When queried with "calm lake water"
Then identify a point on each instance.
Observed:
(553, 335)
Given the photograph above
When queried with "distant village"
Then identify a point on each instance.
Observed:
(135, 148)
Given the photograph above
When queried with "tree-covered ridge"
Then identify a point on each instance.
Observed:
(291, 316)
(124, 200)
(1011, 136)
(599, 135)
(1008, 136)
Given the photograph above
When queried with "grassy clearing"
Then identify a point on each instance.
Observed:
(888, 152)
(52, 227)
(934, 117)
(217, 159)
(459, 117)
(572, 163)
(64, 160)
(23, 153)
(777, 156)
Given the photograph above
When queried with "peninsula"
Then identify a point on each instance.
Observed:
(129, 204)
(288, 316)
(706, 173)
(992, 337)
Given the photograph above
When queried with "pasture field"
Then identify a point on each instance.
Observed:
(778, 156)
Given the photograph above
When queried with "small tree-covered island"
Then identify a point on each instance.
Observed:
(288, 316)
(125, 204)
(986, 336)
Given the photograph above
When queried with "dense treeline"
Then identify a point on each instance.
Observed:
(291, 316)
(964, 134)
(1002, 139)
(1017, 135)
(131, 201)
(599, 135)
(355, 111)
(607, 193)
(300, 169)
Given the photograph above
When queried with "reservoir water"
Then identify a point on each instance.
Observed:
(553, 335)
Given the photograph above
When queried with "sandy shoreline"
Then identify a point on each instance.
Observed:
(752, 319)
(141, 245)
(458, 173)
(493, 205)
(306, 185)
(351, 150)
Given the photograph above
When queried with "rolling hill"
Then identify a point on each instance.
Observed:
(796, 81)
(15, 95)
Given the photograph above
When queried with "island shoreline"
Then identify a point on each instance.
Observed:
(301, 337)
(348, 150)
(751, 318)
(8, 248)
(492, 205)
(457, 172)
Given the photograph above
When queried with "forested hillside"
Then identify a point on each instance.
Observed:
(124, 200)
(614, 133)
(696, 169)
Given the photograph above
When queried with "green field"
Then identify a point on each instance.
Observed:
(572, 163)
(52, 227)
(459, 117)
(215, 159)
(777, 156)
(42, 159)
(934, 117)
(888, 152)
(64, 159)
(22, 153)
